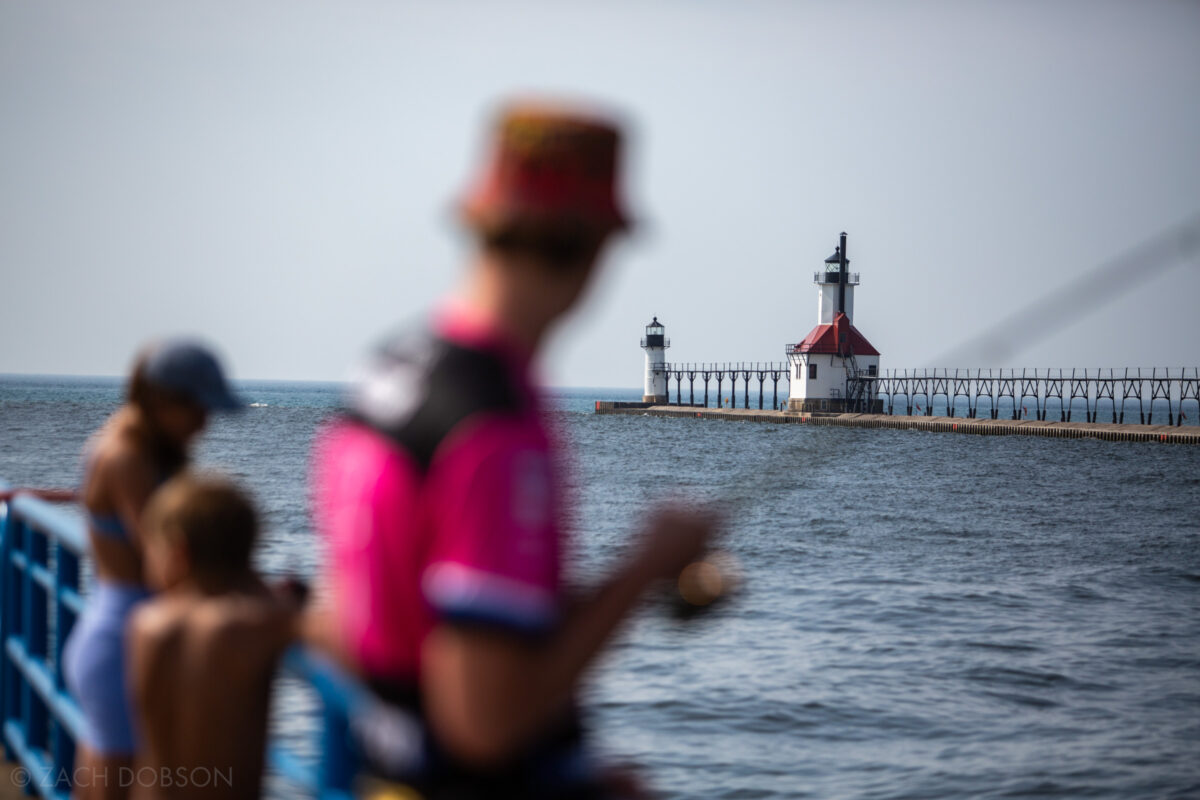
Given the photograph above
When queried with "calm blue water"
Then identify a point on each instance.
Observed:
(926, 615)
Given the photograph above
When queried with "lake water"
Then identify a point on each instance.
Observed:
(925, 615)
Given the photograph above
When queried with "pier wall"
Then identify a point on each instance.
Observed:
(1165, 434)
(835, 405)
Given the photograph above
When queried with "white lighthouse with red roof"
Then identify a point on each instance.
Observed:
(831, 366)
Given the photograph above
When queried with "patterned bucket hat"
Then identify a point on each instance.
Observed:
(549, 165)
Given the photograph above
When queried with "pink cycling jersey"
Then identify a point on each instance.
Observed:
(437, 497)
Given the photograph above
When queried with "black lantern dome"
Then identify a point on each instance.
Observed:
(834, 262)
(655, 335)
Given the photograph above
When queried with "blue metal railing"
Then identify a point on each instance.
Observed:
(41, 555)
(41, 549)
(342, 699)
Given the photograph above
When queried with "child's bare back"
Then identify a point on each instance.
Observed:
(202, 669)
(203, 652)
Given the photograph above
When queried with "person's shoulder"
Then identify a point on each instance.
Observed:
(158, 621)
(118, 447)
(465, 381)
(421, 366)
(243, 623)
(417, 389)
(156, 638)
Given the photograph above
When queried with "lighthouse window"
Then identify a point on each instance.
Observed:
(812, 372)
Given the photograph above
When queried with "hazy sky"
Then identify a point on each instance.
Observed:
(278, 177)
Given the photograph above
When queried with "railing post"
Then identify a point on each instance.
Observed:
(993, 398)
(1149, 420)
(66, 579)
(8, 606)
(35, 608)
(336, 771)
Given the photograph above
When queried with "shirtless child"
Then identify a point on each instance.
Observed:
(203, 651)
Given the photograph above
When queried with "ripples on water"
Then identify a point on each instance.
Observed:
(926, 615)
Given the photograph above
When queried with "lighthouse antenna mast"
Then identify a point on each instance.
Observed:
(841, 306)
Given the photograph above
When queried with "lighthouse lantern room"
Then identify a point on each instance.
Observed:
(655, 343)
(830, 366)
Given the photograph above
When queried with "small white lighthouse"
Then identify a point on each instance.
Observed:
(828, 364)
(655, 343)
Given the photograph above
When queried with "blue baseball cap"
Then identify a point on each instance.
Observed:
(190, 369)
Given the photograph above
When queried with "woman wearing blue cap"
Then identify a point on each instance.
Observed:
(174, 386)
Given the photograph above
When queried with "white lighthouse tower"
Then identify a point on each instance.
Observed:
(655, 343)
(829, 365)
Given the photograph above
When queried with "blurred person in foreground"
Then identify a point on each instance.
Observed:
(174, 386)
(440, 498)
(203, 652)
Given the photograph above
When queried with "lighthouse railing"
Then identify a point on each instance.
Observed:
(1146, 395)
(696, 377)
(1120, 396)
(832, 277)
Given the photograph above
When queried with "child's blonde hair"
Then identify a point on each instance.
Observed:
(213, 520)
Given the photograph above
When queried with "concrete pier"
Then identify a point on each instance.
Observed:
(980, 427)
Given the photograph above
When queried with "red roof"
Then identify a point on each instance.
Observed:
(825, 339)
